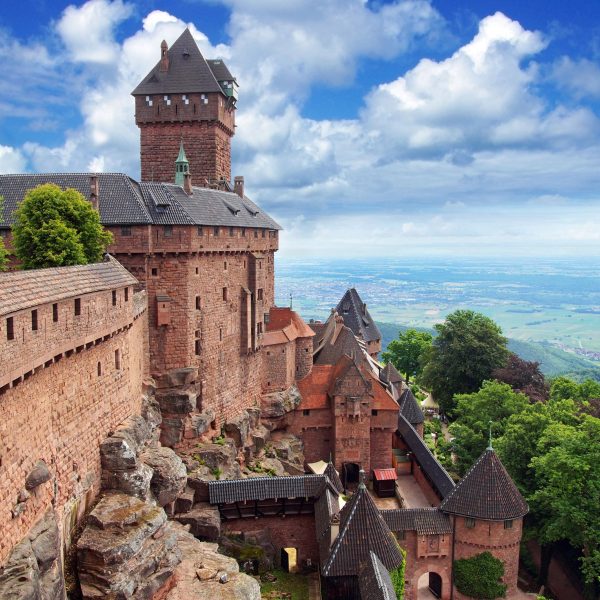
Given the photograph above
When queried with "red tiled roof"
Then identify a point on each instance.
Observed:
(24, 289)
(284, 326)
(385, 474)
(313, 388)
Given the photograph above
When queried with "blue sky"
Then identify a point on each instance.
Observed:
(390, 128)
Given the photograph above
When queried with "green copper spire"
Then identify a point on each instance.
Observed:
(182, 166)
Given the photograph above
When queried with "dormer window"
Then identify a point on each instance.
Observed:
(184, 97)
(167, 100)
(148, 101)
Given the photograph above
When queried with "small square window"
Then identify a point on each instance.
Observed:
(168, 230)
(154, 272)
(469, 523)
(374, 412)
(125, 230)
(306, 412)
(77, 306)
(400, 535)
(508, 524)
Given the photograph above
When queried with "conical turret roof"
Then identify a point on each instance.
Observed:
(362, 530)
(334, 476)
(486, 492)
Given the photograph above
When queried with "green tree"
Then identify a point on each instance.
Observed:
(568, 489)
(563, 388)
(57, 227)
(406, 353)
(495, 402)
(468, 347)
(480, 576)
(3, 251)
(397, 576)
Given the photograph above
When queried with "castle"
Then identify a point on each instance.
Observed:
(183, 311)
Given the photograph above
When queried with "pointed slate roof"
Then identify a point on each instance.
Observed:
(389, 374)
(362, 530)
(374, 580)
(410, 408)
(333, 477)
(486, 492)
(356, 316)
(188, 72)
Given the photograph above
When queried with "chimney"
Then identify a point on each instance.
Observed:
(94, 191)
(238, 185)
(187, 184)
(164, 57)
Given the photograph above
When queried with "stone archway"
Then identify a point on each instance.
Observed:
(431, 582)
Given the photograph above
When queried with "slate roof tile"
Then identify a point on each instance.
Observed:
(410, 408)
(356, 316)
(374, 580)
(486, 492)
(425, 521)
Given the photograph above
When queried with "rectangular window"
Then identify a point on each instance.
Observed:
(125, 230)
(469, 523)
(118, 360)
(168, 230)
(374, 412)
(126, 294)
(197, 347)
(231, 232)
(305, 412)
(200, 231)
(259, 294)
(225, 265)
(220, 334)
(225, 294)
(264, 233)
(256, 233)
(243, 231)
(55, 313)
(216, 231)
(154, 272)
(114, 298)
(508, 524)
(198, 304)
(10, 328)
(34, 320)
(99, 369)
(259, 327)
(77, 306)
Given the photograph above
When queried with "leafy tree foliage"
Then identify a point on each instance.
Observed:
(480, 576)
(57, 227)
(564, 388)
(568, 489)
(523, 376)
(468, 347)
(407, 351)
(397, 576)
(494, 402)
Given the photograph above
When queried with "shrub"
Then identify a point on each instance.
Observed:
(479, 576)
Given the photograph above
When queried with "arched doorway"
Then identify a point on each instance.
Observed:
(429, 586)
(351, 473)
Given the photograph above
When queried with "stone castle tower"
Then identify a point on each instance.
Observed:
(186, 99)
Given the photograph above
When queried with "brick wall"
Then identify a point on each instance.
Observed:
(316, 431)
(286, 532)
(490, 536)
(60, 414)
(279, 366)
(58, 329)
(304, 358)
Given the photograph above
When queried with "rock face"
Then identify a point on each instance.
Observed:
(276, 406)
(204, 521)
(202, 569)
(170, 475)
(38, 475)
(33, 571)
(127, 550)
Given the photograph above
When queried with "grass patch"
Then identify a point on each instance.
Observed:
(291, 583)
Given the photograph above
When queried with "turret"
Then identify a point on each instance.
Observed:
(188, 99)
(182, 166)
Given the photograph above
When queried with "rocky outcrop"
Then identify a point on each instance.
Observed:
(127, 550)
(276, 406)
(204, 521)
(204, 573)
(33, 571)
(169, 476)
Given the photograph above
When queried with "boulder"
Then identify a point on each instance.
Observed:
(171, 431)
(203, 422)
(254, 416)
(38, 475)
(177, 378)
(238, 428)
(118, 453)
(204, 521)
(135, 482)
(259, 435)
(176, 401)
(276, 406)
(151, 413)
(185, 500)
(170, 475)
(135, 429)
(201, 571)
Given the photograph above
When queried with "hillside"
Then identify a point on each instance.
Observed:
(553, 361)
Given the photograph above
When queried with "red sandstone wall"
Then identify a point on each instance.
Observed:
(60, 415)
(316, 430)
(424, 484)
(304, 359)
(492, 537)
(278, 367)
(381, 448)
(286, 532)
(30, 349)
(417, 564)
